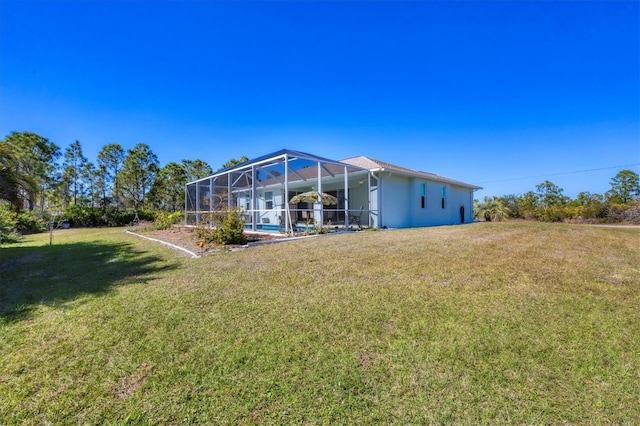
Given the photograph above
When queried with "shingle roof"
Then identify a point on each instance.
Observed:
(372, 164)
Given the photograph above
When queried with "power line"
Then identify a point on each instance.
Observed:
(560, 174)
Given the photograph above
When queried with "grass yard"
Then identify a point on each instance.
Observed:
(525, 323)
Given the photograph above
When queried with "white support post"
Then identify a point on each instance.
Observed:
(287, 215)
(210, 195)
(319, 220)
(197, 203)
(229, 188)
(254, 198)
(346, 197)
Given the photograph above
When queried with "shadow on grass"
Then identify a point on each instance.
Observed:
(57, 274)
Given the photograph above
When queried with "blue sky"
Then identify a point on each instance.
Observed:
(483, 92)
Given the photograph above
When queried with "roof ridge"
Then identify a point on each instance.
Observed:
(401, 169)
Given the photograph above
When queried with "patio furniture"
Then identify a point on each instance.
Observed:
(356, 219)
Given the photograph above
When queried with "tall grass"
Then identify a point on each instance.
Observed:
(485, 323)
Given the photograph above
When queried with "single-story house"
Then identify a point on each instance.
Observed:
(288, 189)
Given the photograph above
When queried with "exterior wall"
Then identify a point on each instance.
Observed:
(272, 215)
(401, 202)
(461, 197)
(395, 193)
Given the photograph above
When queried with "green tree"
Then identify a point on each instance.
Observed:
(35, 158)
(13, 183)
(137, 175)
(514, 205)
(110, 162)
(587, 206)
(196, 169)
(549, 195)
(73, 163)
(88, 175)
(625, 187)
(102, 186)
(168, 187)
(528, 204)
(550, 203)
(234, 162)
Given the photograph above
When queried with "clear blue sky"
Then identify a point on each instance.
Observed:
(476, 91)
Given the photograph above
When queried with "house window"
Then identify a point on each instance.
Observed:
(423, 194)
(444, 188)
(268, 200)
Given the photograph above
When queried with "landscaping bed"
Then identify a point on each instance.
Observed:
(186, 237)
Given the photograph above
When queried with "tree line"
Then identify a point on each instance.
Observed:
(39, 182)
(547, 203)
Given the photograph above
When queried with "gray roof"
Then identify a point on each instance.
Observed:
(373, 164)
(360, 162)
(265, 159)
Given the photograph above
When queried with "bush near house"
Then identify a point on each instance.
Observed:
(222, 228)
(165, 220)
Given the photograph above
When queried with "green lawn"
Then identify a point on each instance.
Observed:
(484, 323)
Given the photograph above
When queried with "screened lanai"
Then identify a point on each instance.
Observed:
(286, 191)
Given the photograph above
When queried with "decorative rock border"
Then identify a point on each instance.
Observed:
(173, 246)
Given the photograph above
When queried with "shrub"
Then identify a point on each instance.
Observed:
(228, 228)
(232, 229)
(616, 213)
(83, 216)
(551, 214)
(29, 222)
(593, 210)
(112, 217)
(8, 227)
(119, 217)
(165, 220)
(207, 235)
(632, 215)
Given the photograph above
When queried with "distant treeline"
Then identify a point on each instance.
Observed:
(41, 183)
(547, 203)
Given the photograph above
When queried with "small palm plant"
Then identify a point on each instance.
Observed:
(491, 209)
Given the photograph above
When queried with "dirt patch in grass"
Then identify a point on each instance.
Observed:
(129, 385)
